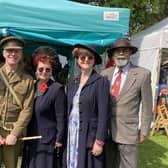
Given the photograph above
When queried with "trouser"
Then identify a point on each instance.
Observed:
(121, 155)
(9, 153)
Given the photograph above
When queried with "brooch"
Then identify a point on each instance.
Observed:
(43, 87)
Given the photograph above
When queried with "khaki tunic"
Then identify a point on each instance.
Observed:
(14, 118)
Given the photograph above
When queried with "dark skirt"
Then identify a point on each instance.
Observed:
(39, 155)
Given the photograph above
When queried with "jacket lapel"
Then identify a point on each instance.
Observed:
(93, 77)
(16, 77)
(73, 87)
(110, 74)
(130, 79)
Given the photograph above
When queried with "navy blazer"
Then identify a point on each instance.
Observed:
(49, 115)
(93, 108)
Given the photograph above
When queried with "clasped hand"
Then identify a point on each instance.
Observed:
(9, 140)
(97, 149)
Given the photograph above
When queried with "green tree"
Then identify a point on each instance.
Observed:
(144, 13)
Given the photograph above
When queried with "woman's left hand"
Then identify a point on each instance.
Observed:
(58, 145)
(97, 149)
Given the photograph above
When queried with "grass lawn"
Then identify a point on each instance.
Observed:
(154, 152)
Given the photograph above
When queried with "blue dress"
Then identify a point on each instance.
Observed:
(94, 118)
(73, 132)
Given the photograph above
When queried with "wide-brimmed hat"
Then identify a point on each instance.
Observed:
(92, 49)
(122, 43)
(12, 42)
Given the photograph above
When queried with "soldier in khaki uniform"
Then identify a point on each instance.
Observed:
(16, 107)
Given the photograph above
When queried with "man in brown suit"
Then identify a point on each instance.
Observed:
(16, 100)
(134, 90)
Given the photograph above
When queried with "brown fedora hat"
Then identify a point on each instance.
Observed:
(92, 49)
(121, 43)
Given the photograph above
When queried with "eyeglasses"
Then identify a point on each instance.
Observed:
(41, 69)
(83, 57)
(123, 50)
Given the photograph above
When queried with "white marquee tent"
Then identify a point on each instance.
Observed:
(153, 50)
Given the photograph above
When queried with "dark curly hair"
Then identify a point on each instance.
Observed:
(48, 54)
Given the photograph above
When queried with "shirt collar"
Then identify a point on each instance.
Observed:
(124, 69)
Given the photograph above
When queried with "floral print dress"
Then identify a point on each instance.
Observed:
(73, 133)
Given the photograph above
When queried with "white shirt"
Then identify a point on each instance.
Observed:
(123, 75)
